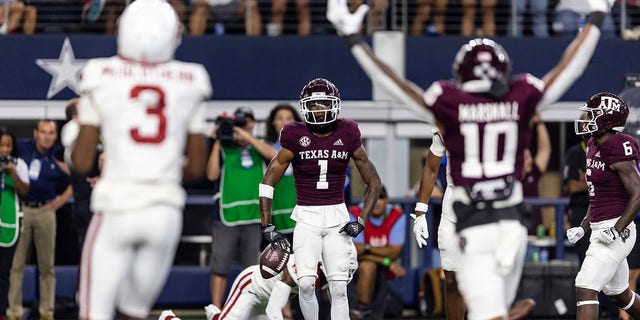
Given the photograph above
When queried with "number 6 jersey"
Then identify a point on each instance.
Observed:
(608, 197)
(144, 112)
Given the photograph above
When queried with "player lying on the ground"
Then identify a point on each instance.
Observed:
(252, 295)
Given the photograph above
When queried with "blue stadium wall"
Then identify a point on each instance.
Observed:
(267, 68)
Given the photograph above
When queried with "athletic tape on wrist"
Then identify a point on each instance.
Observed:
(265, 190)
(422, 207)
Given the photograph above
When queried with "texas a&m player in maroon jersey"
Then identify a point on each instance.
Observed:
(613, 183)
(320, 150)
(483, 116)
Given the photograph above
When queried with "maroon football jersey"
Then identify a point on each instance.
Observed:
(608, 197)
(485, 136)
(320, 163)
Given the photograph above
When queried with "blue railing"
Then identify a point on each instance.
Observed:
(425, 259)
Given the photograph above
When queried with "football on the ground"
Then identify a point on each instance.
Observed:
(272, 261)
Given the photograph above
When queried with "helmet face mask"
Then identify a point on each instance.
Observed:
(320, 105)
(320, 109)
(603, 112)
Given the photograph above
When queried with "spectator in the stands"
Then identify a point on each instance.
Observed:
(21, 17)
(379, 248)
(15, 182)
(570, 16)
(535, 164)
(245, 10)
(429, 9)
(538, 11)
(39, 222)
(278, 9)
(488, 7)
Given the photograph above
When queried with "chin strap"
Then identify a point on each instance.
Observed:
(322, 128)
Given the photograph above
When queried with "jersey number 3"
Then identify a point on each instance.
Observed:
(156, 110)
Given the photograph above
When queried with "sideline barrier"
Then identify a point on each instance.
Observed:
(188, 286)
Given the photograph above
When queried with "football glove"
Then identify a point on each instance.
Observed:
(575, 234)
(420, 229)
(211, 311)
(275, 238)
(345, 22)
(353, 228)
(607, 236)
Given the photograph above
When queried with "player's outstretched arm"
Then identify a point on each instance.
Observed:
(577, 55)
(371, 178)
(348, 26)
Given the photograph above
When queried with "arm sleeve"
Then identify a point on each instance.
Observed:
(572, 70)
(197, 123)
(69, 133)
(392, 85)
(23, 171)
(437, 145)
(88, 113)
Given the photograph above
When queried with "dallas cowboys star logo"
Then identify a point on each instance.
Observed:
(65, 70)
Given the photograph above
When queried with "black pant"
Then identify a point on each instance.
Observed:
(81, 218)
(6, 257)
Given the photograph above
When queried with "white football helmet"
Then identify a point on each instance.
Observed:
(149, 31)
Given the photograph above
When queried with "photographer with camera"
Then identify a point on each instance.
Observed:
(238, 160)
(14, 181)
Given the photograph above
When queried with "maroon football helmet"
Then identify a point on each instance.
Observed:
(603, 112)
(320, 105)
(482, 65)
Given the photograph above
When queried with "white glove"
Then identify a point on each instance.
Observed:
(600, 5)
(211, 311)
(345, 22)
(607, 235)
(168, 314)
(575, 234)
(420, 228)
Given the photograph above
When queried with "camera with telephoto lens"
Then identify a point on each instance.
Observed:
(225, 127)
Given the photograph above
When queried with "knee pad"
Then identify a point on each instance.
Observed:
(307, 287)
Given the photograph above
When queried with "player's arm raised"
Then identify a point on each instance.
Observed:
(371, 178)
(577, 55)
(348, 26)
(275, 171)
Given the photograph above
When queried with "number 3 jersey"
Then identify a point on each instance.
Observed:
(485, 136)
(145, 112)
(608, 197)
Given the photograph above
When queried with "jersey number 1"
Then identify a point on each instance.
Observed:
(156, 110)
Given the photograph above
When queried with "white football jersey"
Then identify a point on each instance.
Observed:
(438, 149)
(145, 112)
